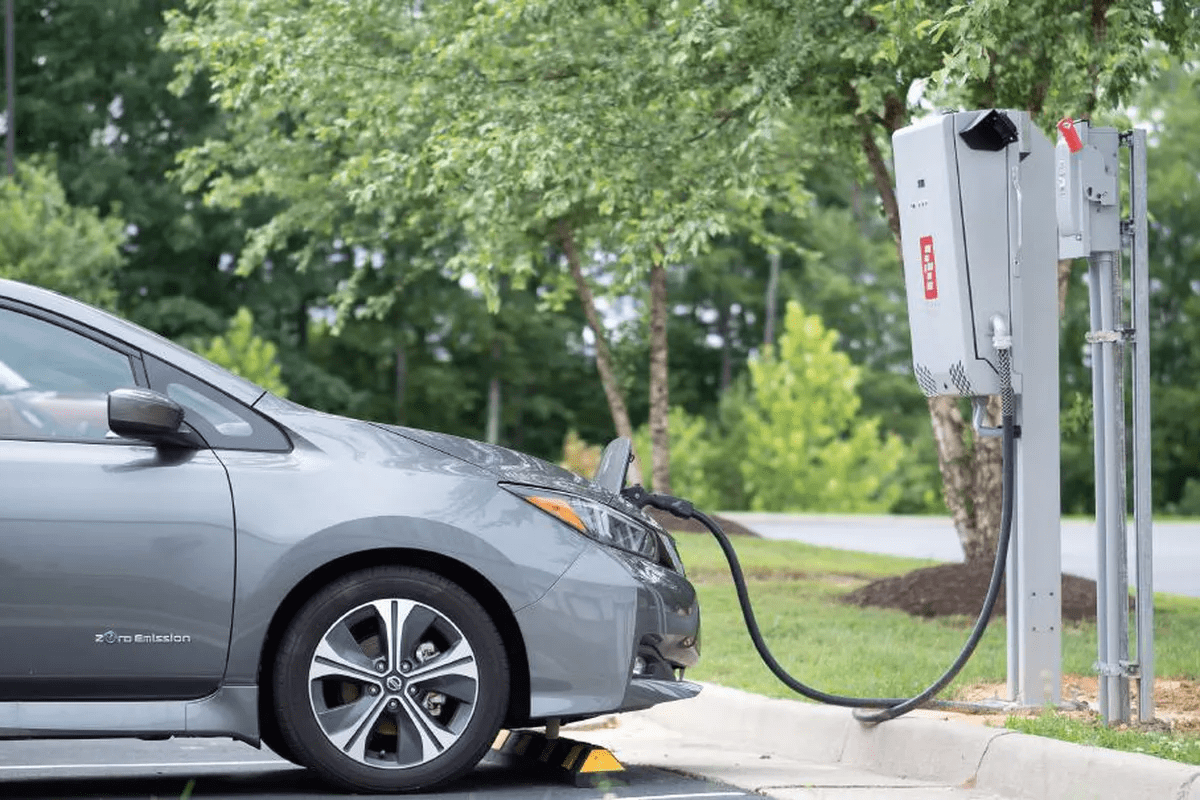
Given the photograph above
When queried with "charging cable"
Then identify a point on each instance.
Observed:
(892, 707)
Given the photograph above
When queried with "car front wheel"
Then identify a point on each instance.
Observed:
(390, 679)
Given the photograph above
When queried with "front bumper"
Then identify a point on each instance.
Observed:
(614, 633)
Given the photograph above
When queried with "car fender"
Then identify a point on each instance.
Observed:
(291, 523)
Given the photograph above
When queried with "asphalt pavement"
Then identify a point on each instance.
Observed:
(722, 744)
(220, 768)
(1175, 547)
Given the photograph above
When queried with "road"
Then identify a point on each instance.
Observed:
(1176, 545)
(136, 770)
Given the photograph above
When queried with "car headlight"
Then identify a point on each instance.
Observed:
(596, 520)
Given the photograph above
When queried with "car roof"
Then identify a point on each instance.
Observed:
(135, 335)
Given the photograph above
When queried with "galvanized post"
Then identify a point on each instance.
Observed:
(1089, 219)
(1142, 512)
(1113, 679)
(1097, 182)
(1100, 446)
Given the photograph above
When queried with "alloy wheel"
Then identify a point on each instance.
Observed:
(393, 683)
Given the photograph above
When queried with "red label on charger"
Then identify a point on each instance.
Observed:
(928, 268)
(1066, 126)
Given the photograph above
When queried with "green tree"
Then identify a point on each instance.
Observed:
(515, 126)
(92, 92)
(855, 72)
(1174, 236)
(807, 447)
(1167, 107)
(46, 241)
(243, 353)
(695, 450)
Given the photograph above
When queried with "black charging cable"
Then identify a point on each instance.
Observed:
(892, 707)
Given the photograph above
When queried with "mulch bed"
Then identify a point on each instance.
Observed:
(674, 523)
(954, 589)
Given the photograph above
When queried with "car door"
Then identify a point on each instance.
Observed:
(116, 557)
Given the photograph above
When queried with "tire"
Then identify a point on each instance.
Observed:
(270, 735)
(390, 679)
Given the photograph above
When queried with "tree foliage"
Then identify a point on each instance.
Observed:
(243, 353)
(46, 241)
(475, 130)
(1174, 199)
(497, 121)
(807, 447)
(1060, 58)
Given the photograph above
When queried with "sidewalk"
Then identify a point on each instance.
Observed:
(793, 750)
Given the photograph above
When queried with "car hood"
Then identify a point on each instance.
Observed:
(501, 462)
(510, 465)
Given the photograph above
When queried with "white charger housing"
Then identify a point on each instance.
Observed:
(962, 186)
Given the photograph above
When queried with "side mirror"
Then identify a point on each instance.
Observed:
(149, 416)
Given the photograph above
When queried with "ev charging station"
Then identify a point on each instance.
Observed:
(977, 220)
(987, 208)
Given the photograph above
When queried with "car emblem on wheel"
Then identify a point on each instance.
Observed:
(393, 683)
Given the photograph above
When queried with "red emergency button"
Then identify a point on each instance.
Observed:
(1066, 126)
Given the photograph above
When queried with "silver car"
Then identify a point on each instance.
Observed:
(185, 554)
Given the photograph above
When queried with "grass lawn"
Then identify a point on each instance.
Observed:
(866, 651)
(1176, 747)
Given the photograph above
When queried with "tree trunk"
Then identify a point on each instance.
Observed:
(1064, 283)
(401, 380)
(883, 182)
(725, 330)
(772, 299)
(987, 493)
(302, 326)
(660, 440)
(970, 467)
(493, 410)
(604, 365)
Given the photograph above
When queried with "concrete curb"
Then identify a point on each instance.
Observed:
(923, 748)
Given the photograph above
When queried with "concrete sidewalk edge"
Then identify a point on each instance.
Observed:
(947, 751)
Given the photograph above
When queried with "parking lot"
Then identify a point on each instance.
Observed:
(135, 770)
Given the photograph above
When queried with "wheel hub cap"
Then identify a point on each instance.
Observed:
(371, 718)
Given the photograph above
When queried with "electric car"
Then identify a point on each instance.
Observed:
(185, 554)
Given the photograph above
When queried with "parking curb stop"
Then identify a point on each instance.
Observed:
(578, 763)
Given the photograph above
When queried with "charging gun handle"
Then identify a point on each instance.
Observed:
(664, 502)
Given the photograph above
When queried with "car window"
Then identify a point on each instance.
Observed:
(54, 382)
(225, 421)
(222, 421)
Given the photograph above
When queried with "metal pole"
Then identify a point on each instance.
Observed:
(10, 90)
(1100, 444)
(1013, 608)
(1119, 451)
(1037, 558)
(1116, 582)
(1142, 510)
